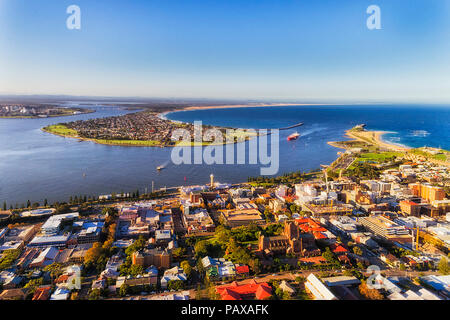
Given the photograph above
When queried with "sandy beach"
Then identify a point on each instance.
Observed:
(253, 105)
(375, 137)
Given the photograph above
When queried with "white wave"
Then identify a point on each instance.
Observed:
(420, 133)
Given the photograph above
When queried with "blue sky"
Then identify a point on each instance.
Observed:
(255, 49)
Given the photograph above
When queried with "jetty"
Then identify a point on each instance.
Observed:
(293, 126)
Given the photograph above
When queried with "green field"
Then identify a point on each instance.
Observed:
(441, 157)
(380, 157)
(61, 130)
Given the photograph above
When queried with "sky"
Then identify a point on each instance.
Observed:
(237, 49)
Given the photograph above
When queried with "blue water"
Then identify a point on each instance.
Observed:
(411, 125)
(35, 165)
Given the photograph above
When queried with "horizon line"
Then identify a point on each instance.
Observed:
(144, 99)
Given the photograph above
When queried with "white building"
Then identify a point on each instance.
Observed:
(318, 289)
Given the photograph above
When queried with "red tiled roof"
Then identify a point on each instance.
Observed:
(319, 235)
(263, 292)
(411, 203)
(252, 290)
(339, 249)
(242, 269)
(62, 278)
(42, 293)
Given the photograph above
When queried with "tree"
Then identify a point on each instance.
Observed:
(358, 251)
(33, 284)
(178, 253)
(4, 206)
(187, 268)
(95, 294)
(55, 269)
(176, 285)
(368, 293)
(136, 270)
(124, 290)
(93, 253)
(255, 265)
(201, 248)
(8, 258)
(444, 267)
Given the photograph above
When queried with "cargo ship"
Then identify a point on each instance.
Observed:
(293, 136)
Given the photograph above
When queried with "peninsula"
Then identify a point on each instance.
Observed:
(369, 147)
(140, 129)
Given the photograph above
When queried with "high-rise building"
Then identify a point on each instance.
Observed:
(427, 192)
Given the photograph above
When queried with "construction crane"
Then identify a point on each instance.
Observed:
(325, 172)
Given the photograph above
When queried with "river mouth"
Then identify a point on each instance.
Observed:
(35, 165)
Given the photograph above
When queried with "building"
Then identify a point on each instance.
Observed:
(427, 192)
(198, 221)
(250, 291)
(89, 231)
(140, 281)
(60, 293)
(184, 295)
(149, 257)
(174, 274)
(45, 258)
(387, 229)
(11, 245)
(237, 218)
(293, 240)
(59, 241)
(218, 268)
(286, 287)
(9, 280)
(53, 224)
(42, 293)
(318, 289)
(341, 281)
(14, 294)
(410, 208)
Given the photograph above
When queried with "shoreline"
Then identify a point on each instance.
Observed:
(377, 139)
(162, 115)
(142, 143)
(89, 111)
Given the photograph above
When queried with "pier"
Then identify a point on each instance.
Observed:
(293, 126)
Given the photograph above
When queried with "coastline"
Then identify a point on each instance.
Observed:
(88, 111)
(162, 115)
(252, 105)
(376, 138)
(142, 143)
